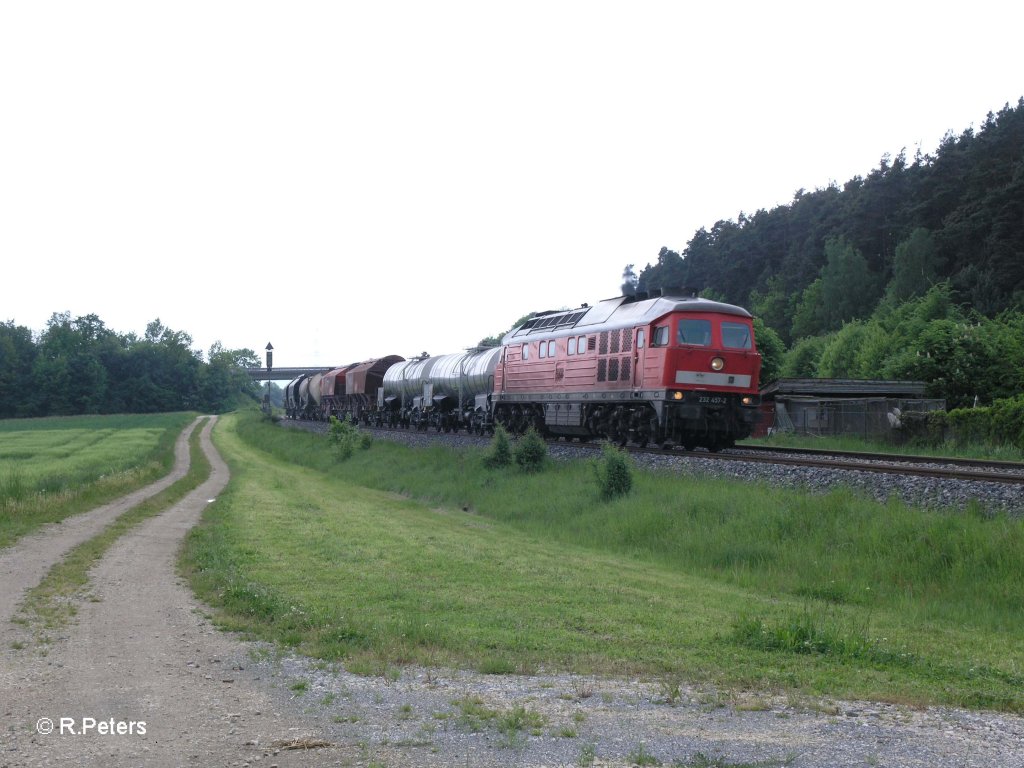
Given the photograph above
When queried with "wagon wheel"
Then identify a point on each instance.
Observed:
(618, 436)
(621, 431)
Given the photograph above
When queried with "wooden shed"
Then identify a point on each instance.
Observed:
(859, 407)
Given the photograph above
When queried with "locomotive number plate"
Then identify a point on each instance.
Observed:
(711, 400)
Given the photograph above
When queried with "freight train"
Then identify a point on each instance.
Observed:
(673, 369)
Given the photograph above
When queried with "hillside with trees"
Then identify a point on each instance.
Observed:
(915, 271)
(79, 366)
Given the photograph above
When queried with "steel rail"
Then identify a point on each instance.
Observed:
(1012, 466)
(881, 464)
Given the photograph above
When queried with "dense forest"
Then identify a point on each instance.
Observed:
(915, 271)
(80, 366)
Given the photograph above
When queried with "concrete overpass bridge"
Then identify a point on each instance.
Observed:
(281, 374)
(270, 373)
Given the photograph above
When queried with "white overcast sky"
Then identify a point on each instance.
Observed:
(351, 180)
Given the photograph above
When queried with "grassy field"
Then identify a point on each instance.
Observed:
(53, 468)
(398, 556)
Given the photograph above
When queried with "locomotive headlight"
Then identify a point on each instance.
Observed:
(747, 400)
(717, 364)
(677, 395)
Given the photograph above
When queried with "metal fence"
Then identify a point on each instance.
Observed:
(861, 417)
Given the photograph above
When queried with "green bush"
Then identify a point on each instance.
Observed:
(1000, 424)
(500, 454)
(969, 425)
(345, 437)
(614, 476)
(1007, 423)
(531, 452)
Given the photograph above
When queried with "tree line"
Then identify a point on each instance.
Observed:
(927, 252)
(79, 366)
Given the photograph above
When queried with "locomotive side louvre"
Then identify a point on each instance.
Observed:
(672, 370)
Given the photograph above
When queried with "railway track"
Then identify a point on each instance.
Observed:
(921, 466)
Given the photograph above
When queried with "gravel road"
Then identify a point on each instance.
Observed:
(141, 657)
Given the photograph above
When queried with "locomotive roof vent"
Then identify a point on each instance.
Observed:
(681, 293)
(550, 321)
(631, 298)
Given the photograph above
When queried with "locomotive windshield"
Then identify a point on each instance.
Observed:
(695, 332)
(735, 336)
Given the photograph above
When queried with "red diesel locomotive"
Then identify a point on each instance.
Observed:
(671, 370)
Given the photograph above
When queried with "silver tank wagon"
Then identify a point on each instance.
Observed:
(469, 373)
(445, 390)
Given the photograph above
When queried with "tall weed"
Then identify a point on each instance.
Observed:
(614, 476)
(500, 452)
(531, 452)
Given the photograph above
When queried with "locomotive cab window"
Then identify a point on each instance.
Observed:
(526, 351)
(542, 350)
(736, 336)
(571, 350)
(640, 338)
(695, 332)
(660, 336)
(552, 348)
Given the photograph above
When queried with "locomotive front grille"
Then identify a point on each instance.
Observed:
(704, 378)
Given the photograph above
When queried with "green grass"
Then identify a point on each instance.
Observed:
(49, 604)
(513, 724)
(398, 555)
(53, 468)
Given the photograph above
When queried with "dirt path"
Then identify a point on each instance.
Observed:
(24, 565)
(143, 658)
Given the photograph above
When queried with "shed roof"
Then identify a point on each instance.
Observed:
(785, 388)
